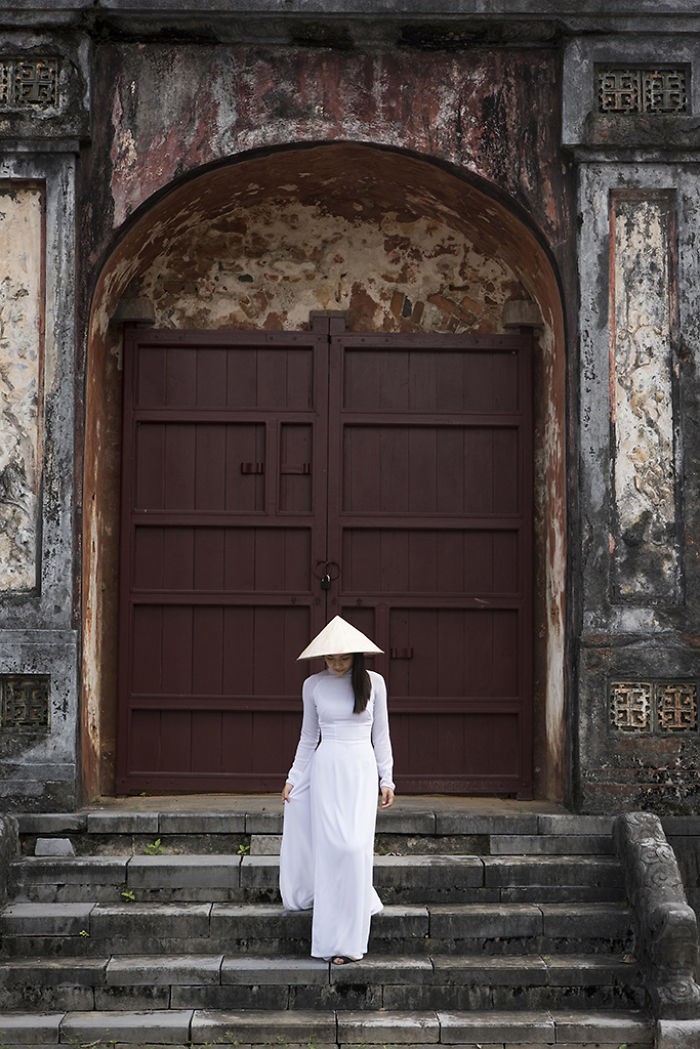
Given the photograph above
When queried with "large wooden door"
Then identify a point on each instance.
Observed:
(272, 480)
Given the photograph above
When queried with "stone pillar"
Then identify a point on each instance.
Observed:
(43, 115)
(629, 119)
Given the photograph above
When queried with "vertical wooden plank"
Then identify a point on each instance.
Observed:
(423, 369)
(150, 377)
(146, 671)
(207, 748)
(175, 742)
(207, 650)
(181, 377)
(149, 468)
(208, 561)
(177, 651)
(506, 474)
(239, 560)
(148, 562)
(144, 735)
(449, 471)
(178, 553)
(477, 453)
(210, 467)
(242, 382)
(238, 651)
(422, 470)
(272, 378)
(395, 563)
(179, 467)
(362, 470)
(211, 377)
(451, 395)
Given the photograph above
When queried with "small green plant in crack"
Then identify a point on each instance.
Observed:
(155, 848)
(128, 895)
(84, 934)
(243, 849)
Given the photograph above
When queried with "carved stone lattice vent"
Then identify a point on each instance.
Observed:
(28, 83)
(630, 705)
(677, 706)
(25, 702)
(643, 90)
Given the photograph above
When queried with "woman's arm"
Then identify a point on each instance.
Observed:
(381, 740)
(308, 739)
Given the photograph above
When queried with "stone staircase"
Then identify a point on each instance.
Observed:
(165, 929)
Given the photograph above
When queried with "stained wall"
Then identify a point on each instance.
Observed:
(239, 174)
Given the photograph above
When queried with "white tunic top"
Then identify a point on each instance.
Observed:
(328, 714)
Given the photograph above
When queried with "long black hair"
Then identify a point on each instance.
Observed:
(361, 684)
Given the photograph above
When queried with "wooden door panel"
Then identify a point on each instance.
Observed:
(478, 753)
(430, 560)
(456, 655)
(430, 521)
(254, 464)
(425, 381)
(430, 470)
(223, 518)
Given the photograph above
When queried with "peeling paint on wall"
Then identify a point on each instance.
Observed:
(646, 553)
(21, 252)
(271, 264)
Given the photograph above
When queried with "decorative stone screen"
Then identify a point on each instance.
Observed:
(654, 706)
(28, 83)
(24, 702)
(643, 90)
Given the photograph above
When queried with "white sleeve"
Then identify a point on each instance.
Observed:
(381, 741)
(310, 734)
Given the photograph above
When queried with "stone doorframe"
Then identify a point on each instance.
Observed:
(429, 222)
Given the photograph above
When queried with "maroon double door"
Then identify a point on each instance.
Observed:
(273, 480)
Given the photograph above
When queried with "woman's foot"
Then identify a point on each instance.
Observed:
(341, 959)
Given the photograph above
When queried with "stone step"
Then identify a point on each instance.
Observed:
(494, 844)
(84, 929)
(267, 819)
(280, 983)
(182, 1028)
(97, 832)
(407, 879)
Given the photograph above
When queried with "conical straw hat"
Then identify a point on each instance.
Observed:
(339, 638)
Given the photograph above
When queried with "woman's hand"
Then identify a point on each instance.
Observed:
(387, 797)
(288, 788)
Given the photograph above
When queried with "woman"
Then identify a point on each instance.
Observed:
(331, 795)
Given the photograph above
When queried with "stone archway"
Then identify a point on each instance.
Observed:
(397, 243)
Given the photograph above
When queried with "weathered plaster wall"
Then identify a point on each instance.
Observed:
(646, 556)
(641, 630)
(43, 114)
(38, 639)
(271, 263)
(163, 111)
(21, 371)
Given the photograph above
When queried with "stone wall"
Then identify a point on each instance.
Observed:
(104, 113)
(43, 113)
(640, 338)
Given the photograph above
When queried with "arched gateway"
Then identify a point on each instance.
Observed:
(326, 414)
